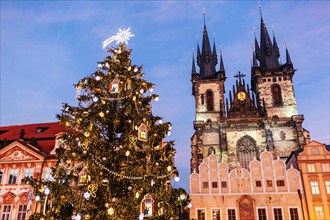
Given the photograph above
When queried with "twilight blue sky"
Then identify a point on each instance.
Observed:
(47, 46)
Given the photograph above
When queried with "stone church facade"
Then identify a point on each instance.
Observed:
(255, 117)
(241, 141)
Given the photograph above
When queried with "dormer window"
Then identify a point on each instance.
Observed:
(3, 131)
(41, 129)
(209, 100)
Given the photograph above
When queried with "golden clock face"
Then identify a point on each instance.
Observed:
(241, 96)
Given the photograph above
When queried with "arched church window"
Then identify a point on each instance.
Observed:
(209, 100)
(277, 95)
(211, 151)
(246, 150)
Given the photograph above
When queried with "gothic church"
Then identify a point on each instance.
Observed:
(253, 118)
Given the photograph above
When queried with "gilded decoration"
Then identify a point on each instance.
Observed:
(16, 154)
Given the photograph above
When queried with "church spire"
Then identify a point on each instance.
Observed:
(288, 59)
(214, 56)
(275, 46)
(222, 67)
(268, 56)
(199, 56)
(193, 68)
(256, 47)
(205, 59)
(254, 60)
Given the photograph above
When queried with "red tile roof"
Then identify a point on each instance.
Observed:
(44, 133)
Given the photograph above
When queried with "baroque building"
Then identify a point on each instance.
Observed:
(313, 162)
(25, 151)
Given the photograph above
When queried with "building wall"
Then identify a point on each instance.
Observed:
(218, 187)
(289, 107)
(16, 198)
(314, 163)
(201, 88)
(25, 150)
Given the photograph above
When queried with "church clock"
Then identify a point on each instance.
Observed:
(241, 96)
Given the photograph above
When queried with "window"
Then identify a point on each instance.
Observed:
(202, 99)
(269, 183)
(6, 212)
(262, 214)
(277, 96)
(280, 182)
(48, 174)
(315, 188)
(28, 172)
(231, 214)
(41, 129)
(326, 167)
(200, 214)
(21, 212)
(214, 184)
(327, 186)
(319, 212)
(246, 151)
(294, 214)
(258, 183)
(211, 151)
(223, 184)
(315, 151)
(215, 214)
(205, 185)
(1, 174)
(311, 168)
(13, 173)
(209, 100)
(278, 214)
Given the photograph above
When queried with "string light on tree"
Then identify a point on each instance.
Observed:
(113, 162)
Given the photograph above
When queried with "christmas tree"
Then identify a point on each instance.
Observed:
(113, 162)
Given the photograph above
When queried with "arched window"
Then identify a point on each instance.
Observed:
(246, 150)
(209, 100)
(277, 95)
(211, 151)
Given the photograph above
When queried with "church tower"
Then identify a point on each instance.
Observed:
(208, 91)
(270, 80)
(252, 118)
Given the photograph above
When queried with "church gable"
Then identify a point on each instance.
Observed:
(242, 103)
(18, 151)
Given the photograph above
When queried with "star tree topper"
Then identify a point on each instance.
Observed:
(121, 37)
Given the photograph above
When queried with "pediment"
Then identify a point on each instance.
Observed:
(18, 151)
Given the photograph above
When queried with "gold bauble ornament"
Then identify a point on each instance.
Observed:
(110, 211)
